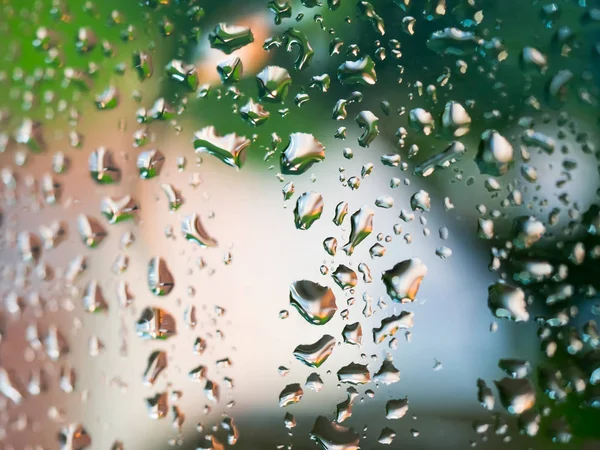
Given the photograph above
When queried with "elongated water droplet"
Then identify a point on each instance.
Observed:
(314, 355)
(361, 227)
(309, 208)
(390, 325)
(160, 279)
(341, 210)
(453, 153)
(157, 362)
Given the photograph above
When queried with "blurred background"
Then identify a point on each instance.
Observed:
(74, 81)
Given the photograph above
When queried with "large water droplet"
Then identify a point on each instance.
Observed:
(314, 302)
(402, 281)
(160, 279)
(361, 227)
(301, 153)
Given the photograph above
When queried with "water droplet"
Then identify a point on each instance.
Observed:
(345, 277)
(361, 71)
(517, 395)
(387, 373)
(354, 373)
(294, 38)
(396, 409)
(90, 230)
(107, 99)
(273, 84)
(290, 395)
(302, 152)
(173, 196)
(160, 279)
(352, 333)
(149, 163)
(157, 362)
(314, 302)
(361, 227)
(254, 114)
(495, 154)
(314, 355)
(185, 74)
(386, 437)
(369, 123)
(93, 300)
(118, 209)
(452, 41)
(155, 323)
(309, 208)
(421, 120)
(455, 119)
(402, 281)
(341, 210)
(506, 301)
(516, 368)
(528, 230)
(484, 395)
(157, 406)
(390, 326)
(193, 231)
(229, 38)
(330, 245)
(331, 436)
(231, 149)
(101, 167)
(74, 437)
